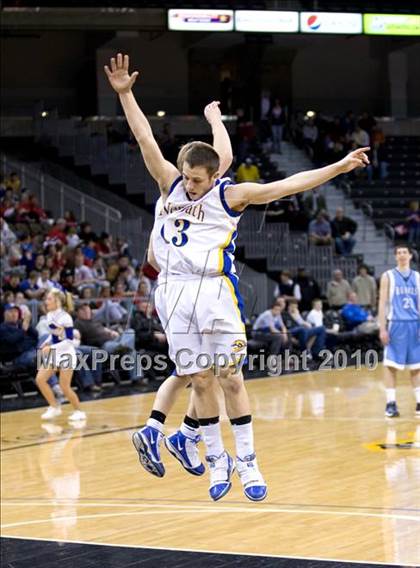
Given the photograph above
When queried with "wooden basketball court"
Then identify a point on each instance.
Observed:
(344, 481)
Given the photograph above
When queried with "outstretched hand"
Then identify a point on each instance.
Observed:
(212, 112)
(356, 159)
(119, 77)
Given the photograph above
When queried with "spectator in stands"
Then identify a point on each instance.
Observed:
(89, 252)
(277, 123)
(14, 182)
(39, 263)
(30, 210)
(310, 137)
(343, 230)
(105, 247)
(353, 313)
(57, 233)
(7, 236)
(148, 329)
(364, 285)
(309, 289)
(109, 311)
(13, 285)
(86, 234)
(18, 339)
(320, 230)
(316, 316)
(44, 282)
(67, 281)
(359, 138)
(413, 224)
(30, 287)
(338, 290)
(99, 272)
(70, 219)
(87, 296)
(140, 278)
(248, 171)
(83, 275)
(286, 288)
(73, 239)
(311, 339)
(94, 333)
(270, 330)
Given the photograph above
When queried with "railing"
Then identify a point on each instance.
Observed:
(368, 211)
(390, 234)
(58, 197)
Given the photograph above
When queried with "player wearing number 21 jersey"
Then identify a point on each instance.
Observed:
(399, 321)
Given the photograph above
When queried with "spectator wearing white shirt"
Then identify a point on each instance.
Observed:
(83, 275)
(316, 316)
(360, 138)
(44, 281)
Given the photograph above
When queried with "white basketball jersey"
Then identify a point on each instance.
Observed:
(195, 237)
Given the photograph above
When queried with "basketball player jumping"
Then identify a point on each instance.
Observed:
(399, 326)
(197, 296)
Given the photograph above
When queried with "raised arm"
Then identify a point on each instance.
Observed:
(221, 139)
(240, 196)
(121, 81)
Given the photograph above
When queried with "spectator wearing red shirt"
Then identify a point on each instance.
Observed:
(58, 232)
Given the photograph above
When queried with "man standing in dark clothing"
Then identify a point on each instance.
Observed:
(148, 329)
(343, 230)
(94, 333)
(309, 289)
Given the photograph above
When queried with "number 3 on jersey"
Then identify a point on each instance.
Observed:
(181, 238)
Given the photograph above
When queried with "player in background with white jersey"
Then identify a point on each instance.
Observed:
(59, 350)
(399, 326)
(197, 298)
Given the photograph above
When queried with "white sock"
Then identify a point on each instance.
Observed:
(212, 437)
(244, 439)
(417, 394)
(155, 424)
(390, 395)
(189, 431)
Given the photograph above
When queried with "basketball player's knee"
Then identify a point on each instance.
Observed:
(202, 383)
(231, 383)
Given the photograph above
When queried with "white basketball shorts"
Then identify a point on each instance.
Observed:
(203, 321)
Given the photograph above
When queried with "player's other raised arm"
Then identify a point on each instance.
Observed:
(221, 139)
(122, 82)
(243, 194)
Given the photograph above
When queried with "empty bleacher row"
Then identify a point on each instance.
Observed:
(390, 197)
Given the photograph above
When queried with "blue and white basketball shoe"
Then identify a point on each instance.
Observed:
(185, 450)
(147, 441)
(221, 469)
(253, 483)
